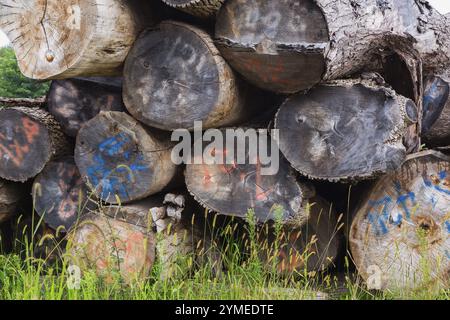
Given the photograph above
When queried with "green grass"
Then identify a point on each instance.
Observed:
(23, 276)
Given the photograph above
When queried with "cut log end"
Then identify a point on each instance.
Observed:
(52, 39)
(174, 76)
(399, 238)
(121, 160)
(75, 101)
(348, 130)
(29, 138)
(279, 47)
(235, 187)
(436, 111)
(111, 245)
(60, 195)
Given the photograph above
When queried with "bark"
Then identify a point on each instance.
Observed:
(62, 40)
(174, 76)
(399, 238)
(23, 102)
(288, 47)
(29, 139)
(345, 130)
(121, 160)
(73, 102)
(199, 8)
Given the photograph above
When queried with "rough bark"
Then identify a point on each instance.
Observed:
(23, 102)
(121, 160)
(174, 76)
(55, 39)
(75, 101)
(436, 111)
(313, 247)
(199, 8)
(116, 241)
(60, 195)
(399, 238)
(29, 139)
(237, 185)
(345, 130)
(289, 46)
(10, 195)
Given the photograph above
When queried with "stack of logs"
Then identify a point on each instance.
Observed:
(356, 90)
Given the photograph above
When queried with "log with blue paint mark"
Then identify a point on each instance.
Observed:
(121, 160)
(402, 228)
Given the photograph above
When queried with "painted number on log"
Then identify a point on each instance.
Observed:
(382, 212)
(111, 176)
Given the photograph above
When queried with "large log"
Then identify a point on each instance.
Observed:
(10, 195)
(77, 37)
(238, 185)
(116, 240)
(121, 160)
(436, 111)
(199, 8)
(75, 101)
(174, 76)
(399, 238)
(60, 195)
(288, 46)
(29, 139)
(345, 130)
(313, 247)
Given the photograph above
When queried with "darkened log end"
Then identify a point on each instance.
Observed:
(60, 195)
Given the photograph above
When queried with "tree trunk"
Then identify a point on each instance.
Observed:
(11, 194)
(121, 160)
(62, 40)
(239, 184)
(399, 238)
(183, 241)
(23, 102)
(288, 47)
(60, 195)
(436, 111)
(345, 130)
(313, 247)
(29, 139)
(116, 240)
(174, 76)
(199, 8)
(75, 101)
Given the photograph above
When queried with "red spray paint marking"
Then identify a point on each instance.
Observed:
(15, 150)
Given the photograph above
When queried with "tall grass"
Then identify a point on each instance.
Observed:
(27, 273)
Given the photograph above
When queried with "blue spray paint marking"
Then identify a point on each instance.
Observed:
(402, 199)
(114, 180)
(379, 221)
(447, 225)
